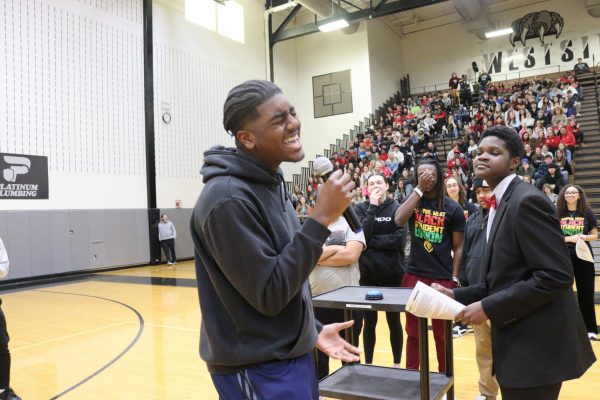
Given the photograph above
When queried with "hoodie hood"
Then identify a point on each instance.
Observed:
(220, 161)
(228, 161)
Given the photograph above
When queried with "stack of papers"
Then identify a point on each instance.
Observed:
(426, 302)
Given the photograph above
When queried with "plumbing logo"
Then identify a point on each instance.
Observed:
(18, 166)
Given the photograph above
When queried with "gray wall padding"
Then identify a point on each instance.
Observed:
(48, 242)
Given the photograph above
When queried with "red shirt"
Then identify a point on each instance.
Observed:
(573, 130)
(463, 162)
(552, 142)
(568, 139)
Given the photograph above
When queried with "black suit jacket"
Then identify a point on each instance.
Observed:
(538, 335)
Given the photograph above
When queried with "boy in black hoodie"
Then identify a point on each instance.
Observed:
(253, 258)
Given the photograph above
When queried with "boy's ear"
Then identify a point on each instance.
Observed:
(246, 139)
(514, 163)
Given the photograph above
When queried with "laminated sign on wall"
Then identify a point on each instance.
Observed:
(23, 176)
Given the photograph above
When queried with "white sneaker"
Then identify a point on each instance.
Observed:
(458, 331)
(592, 336)
(484, 397)
(169, 263)
(174, 262)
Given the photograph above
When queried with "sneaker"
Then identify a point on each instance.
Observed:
(578, 115)
(484, 397)
(169, 263)
(174, 262)
(593, 336)
(9, 394)
(458, 331)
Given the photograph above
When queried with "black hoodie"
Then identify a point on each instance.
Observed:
(382, 263)
(252, 264)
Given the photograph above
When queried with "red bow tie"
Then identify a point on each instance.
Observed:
(490, 201)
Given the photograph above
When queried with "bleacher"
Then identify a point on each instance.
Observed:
(585, 158)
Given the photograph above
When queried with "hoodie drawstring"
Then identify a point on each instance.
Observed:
(282, 191)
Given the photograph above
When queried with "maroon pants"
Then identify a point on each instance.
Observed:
(412, 326)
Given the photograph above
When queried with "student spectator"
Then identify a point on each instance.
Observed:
(473, 254)
(558, 116)
(302, 207)
(552, 177)
(457, 156)
(382, 263)
(578, 222)
(465, 90)
(400, 192)
(455, 190)
(568, 139)
(541, 169)
(484, 80)
(431, 151)
(574, 128)
(581, 67)
(548, 191)
(552, 141)
(436, 226)
(572, 103)
(563, 165)
(526, 169)
(528, 151)
(337, 267)
(453, 85)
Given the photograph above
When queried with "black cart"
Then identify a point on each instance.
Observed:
(366, 382)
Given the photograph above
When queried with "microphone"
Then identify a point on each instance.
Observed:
(323, 168)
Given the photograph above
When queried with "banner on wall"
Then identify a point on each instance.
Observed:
(535, 56)
(535, 43)
(539, 55)
(23, 176)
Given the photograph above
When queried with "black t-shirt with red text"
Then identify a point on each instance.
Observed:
(431, 238)
(577, 223)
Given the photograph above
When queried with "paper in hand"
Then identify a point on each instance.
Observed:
(424, 301)
(583, 251)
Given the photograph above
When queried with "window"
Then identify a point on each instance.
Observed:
(226, 18)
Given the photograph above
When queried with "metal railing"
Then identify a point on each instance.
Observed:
(497, 78)
(596, 85)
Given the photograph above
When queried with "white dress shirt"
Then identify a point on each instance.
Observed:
(499, 192)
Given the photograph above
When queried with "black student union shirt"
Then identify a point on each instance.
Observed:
(577, 223)
(431, 238)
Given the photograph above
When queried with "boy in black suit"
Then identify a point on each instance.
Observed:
(528, 285)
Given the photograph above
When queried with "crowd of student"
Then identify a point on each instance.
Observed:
(544, 113)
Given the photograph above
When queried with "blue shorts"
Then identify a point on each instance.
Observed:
(294, 379)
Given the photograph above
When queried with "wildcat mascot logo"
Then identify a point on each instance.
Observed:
(536, 25)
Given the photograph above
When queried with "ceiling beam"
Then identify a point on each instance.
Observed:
(288, 19)
(354, 17)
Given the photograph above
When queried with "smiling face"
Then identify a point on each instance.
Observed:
(452, 188)
(493, 161)
(273, 137)
(572, 195)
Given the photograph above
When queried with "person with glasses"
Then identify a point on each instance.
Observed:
(577, 221)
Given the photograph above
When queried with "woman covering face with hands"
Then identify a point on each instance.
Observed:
(382, 263)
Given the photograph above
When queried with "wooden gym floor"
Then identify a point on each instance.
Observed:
(133, 334)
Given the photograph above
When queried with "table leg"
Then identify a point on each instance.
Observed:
(348, 333)
(449, 356)
(424, 358)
